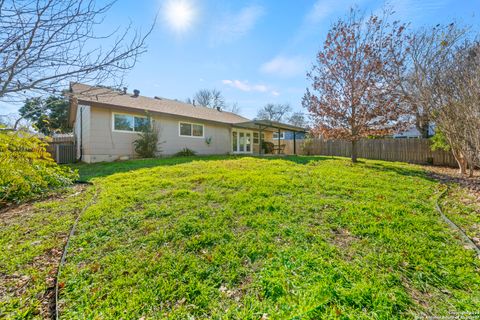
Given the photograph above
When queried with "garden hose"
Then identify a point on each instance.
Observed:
(67, 243)
(465, 237)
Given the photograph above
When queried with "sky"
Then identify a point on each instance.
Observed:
(255, 52)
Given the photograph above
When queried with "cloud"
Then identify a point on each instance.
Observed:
(323, 9)
(247, 87)
(285, 66)
(235, 26)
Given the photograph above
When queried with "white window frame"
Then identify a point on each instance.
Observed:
(282, 135)
(253, 138)
(191, 136)
(238, 131)
(126, 114)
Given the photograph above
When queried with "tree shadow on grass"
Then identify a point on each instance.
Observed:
(399, 168)
(102, 169)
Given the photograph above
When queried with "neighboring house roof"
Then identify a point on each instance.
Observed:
(85, 94)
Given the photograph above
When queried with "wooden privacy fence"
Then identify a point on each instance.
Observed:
(404, 150)
(63, 148)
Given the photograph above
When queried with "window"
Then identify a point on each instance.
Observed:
(191, 129)
(140, 124)
(128, 122)
(255, 137)
(282, 135)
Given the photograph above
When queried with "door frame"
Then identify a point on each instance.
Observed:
(238, 131)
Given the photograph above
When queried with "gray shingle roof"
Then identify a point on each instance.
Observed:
(86, 93)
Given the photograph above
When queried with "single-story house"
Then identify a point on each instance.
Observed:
(106, 121)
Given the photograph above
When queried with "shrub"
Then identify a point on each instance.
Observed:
(439, 141)
(147, 145)
(26, 168)
(185, 152)
(267, 146)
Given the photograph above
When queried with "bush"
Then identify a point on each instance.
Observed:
(185, 152)
(26, 168)
(439, 141)
(267, 146)
(147, 145)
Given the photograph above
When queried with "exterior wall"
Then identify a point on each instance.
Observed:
(104, 144)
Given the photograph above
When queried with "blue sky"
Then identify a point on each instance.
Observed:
(255, 52)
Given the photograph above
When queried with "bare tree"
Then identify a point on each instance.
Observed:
(427, 51)
(210, 98)
(353, 84)
(274, 112)
(298, 119)
(233, 107)
(457, 101)
(45, 44)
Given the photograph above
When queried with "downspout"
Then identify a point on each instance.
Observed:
(81, 134)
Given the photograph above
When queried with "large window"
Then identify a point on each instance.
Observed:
(282, 135)
(130, 123)
(187, 129)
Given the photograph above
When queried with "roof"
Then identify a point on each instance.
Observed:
(86, 93)
(256, 124)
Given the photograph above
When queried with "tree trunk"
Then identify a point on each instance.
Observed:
(354, 151)
(423, 127)
(462, 163)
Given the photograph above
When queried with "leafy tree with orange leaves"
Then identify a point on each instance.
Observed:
(354, 89)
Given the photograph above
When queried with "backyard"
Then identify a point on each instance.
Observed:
(243, 238)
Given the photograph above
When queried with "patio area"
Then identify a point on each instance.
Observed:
(271, 131)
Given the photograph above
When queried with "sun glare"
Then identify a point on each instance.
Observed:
(179, 14)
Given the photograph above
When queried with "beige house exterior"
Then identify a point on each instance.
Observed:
(106, 122)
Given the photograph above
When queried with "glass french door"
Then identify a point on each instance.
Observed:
(241, 141)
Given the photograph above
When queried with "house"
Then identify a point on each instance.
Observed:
(413, 132)
(107, 121)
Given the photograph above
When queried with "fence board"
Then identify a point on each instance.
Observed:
(403, 150)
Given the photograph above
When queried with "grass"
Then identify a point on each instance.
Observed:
(253, 238)
(31, 240)
(464, 210)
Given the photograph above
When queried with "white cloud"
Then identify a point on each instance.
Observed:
(285, 66)
(323, 9)
(247, 87)
(235, 26)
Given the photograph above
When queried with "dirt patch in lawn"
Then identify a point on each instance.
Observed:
(14, 210)
(453, 175)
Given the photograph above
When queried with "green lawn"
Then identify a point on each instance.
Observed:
(252, 238)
